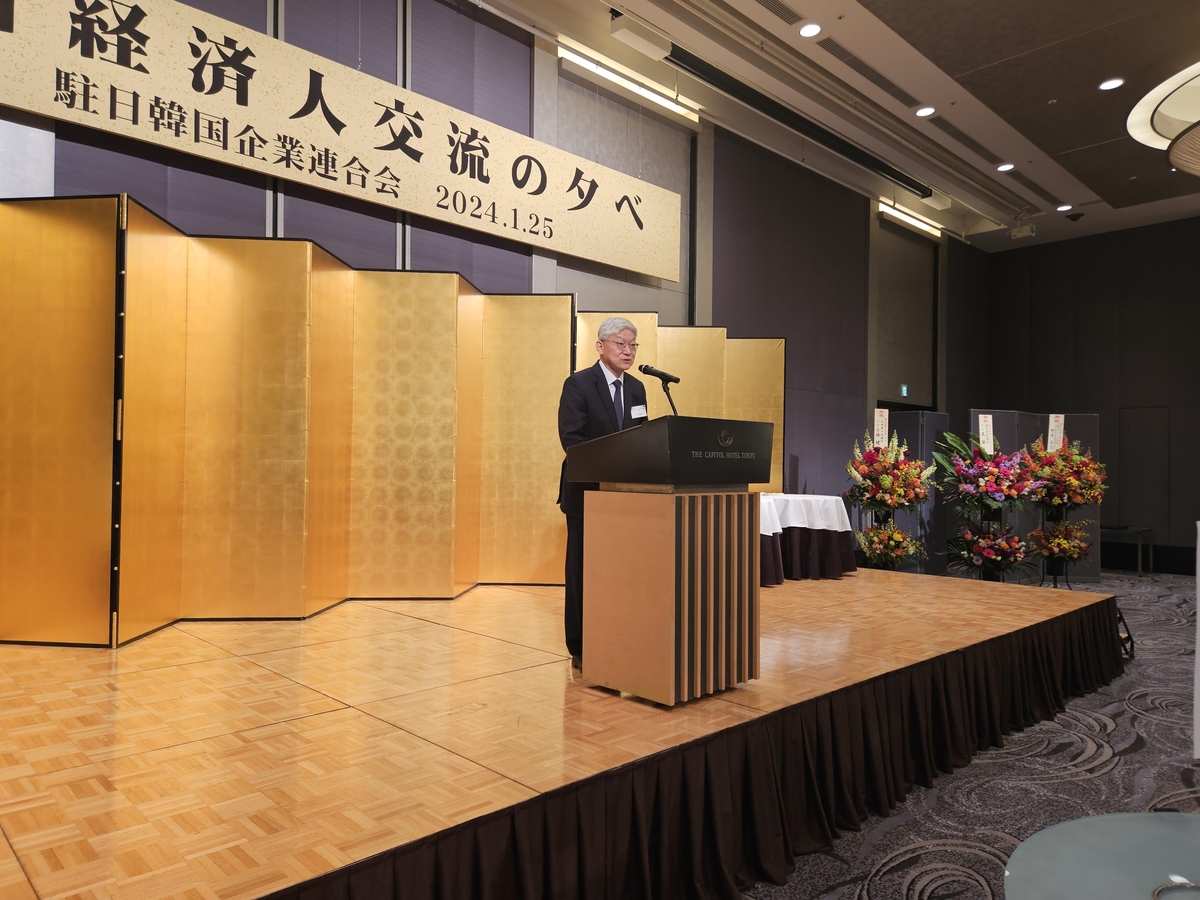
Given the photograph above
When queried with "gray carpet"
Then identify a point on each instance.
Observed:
(1126, 748)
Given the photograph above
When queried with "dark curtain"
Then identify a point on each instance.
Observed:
(712, 817)
(361, 34)
(195, 195)
(467, 58)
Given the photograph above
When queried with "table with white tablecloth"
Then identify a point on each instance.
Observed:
(804, 536)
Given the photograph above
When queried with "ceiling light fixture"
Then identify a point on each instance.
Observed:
(812, 29)
(909, 220)
(1111, 84)
(1167, 110)
(1005, 167)
(926, 111)
(628, 84)
(1064, 207)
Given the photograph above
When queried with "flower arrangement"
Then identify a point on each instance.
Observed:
(884, 545)
(988, 550)
(884, 479)
(990, 481)
(1069, 478)
(1061, 540)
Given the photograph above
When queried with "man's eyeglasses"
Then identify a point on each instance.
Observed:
(621, 346)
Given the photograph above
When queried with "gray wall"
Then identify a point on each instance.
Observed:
(26, 155)
(790, 259)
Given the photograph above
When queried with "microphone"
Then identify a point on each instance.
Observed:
(666, 377)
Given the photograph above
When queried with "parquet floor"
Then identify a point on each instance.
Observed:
(230, 759)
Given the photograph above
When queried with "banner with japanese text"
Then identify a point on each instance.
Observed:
(162, 72)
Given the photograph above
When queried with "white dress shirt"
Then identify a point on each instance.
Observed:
(613, 379)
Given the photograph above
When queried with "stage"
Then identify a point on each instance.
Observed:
(446, 748)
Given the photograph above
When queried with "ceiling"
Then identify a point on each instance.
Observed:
(1037, 64)
(1013, 82)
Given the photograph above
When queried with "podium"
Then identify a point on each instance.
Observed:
(671, 555)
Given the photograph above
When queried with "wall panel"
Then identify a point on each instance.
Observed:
(754, 373)
(57, 309)
(697, 356)
(156, 265)
(790, 258)
(1145, 484)
(246, 428)
(402, 474)
(907, 265)
(522, 531)
(1104, 324)
(330, 420)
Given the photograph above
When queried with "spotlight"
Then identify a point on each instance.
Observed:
(1005, 167)
(1111, 84)
(1064, 207)
(812, 29)
(926, 111)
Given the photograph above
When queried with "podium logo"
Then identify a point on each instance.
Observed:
(725, 439)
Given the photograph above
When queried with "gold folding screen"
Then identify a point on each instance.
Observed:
(330, 378)
(290, 431)
(405, 407)
(697, 356)
(156, 266)
(58, 268)
(456, 452)
(243, 540)
(522, 532)
(754, 392)
(468, 437)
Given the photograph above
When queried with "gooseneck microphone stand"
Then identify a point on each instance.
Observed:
(667, 391)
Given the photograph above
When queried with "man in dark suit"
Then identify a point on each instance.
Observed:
(596, 401)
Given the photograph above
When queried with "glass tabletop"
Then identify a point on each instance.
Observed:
(1117, 857)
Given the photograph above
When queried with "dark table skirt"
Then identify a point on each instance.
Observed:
(806, 553)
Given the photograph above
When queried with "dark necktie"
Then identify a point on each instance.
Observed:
(617, 404)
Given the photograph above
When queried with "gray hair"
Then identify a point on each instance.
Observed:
(614, 325)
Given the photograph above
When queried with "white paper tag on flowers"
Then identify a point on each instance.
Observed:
(1054, 435)
(987, 440)
(881, 428)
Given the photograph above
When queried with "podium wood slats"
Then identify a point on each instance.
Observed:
(681, 621)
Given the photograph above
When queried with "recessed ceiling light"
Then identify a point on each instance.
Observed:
(926, 111)
(1112, 84)
(812, 29)
(1064, 207)
(1005, 167)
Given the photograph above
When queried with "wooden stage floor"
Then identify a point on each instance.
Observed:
(232, 759)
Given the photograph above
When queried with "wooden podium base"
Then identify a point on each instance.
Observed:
(670, 587)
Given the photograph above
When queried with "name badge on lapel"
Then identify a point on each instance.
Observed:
(637, 412)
